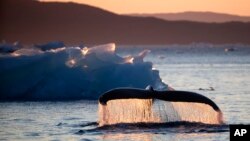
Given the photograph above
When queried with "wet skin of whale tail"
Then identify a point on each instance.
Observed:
(150, 93)
(172, 96)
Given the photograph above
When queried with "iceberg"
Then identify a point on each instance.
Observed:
(72, 73)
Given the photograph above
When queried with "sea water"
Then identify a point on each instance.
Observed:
(219, 75)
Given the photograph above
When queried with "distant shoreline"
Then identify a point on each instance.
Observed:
(37, 22)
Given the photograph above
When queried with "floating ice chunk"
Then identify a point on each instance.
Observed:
(72, 73)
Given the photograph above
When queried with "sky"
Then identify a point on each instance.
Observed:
(236, 7)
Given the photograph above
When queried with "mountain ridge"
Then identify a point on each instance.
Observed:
(30, 22)
(197, 16)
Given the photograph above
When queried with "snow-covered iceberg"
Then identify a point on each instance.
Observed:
(69, 73)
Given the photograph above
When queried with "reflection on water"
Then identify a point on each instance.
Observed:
(165, 136)
(128, 137)
(166, 131)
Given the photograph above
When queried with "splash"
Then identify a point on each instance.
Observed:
(191, 112)
(126, 111)
(156, 111)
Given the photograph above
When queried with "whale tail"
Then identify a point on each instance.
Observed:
(150, 93)
(183, 105)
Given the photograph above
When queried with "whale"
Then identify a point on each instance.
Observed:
(150, 93)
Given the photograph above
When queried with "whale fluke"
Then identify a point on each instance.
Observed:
(171, 96)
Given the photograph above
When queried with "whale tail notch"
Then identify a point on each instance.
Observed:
(149, 88)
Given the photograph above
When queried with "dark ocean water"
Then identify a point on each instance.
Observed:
(219, 75)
